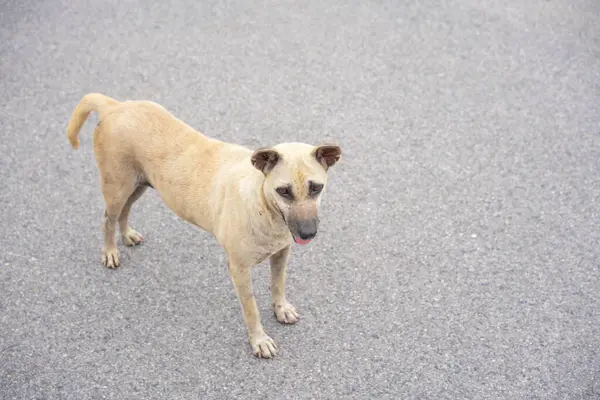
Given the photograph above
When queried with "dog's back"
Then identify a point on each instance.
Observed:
(143, 143)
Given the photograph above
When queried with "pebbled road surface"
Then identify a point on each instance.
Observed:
(459, 251)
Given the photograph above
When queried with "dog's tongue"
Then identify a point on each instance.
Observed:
(301, 241)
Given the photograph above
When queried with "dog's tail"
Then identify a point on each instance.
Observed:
(90, 102)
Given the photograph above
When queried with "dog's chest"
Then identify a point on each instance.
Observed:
(265, 246)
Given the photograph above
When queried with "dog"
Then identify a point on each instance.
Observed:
(255, 203)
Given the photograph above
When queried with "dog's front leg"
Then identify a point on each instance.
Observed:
(284, 311)
(262, 345)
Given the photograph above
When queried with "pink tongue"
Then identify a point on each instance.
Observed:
(301, 241)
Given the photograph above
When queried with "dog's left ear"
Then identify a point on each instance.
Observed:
(327, 154)
(265, 159)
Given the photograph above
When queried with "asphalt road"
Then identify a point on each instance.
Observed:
(458, 256)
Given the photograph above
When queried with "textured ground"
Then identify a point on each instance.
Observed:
(459, 251)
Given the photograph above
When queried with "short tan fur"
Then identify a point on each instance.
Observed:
(255, 203)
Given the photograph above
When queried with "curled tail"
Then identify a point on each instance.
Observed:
(90, 102)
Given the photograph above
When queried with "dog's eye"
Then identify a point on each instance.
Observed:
(284, 191)
(315, 188)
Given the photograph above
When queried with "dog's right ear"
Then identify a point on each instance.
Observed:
(265, 160)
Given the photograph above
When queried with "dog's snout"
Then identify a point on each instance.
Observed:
(307, 229)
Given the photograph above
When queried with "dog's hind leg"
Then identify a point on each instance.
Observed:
(116, 193)
(129, 235)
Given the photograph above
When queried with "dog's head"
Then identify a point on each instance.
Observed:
(295, 178)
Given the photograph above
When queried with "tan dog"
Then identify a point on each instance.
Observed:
(255, 203)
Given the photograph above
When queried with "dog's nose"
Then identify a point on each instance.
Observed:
(307, 229)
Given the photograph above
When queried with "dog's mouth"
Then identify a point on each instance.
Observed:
(301, 241)
(296, 239)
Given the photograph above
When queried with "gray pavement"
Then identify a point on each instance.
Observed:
(459, 251)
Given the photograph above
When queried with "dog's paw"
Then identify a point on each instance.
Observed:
(263, 346)
(132, 237)
(285, 313)
(110, 258)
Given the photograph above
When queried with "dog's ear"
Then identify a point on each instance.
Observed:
(265, 159)
(327, 154)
